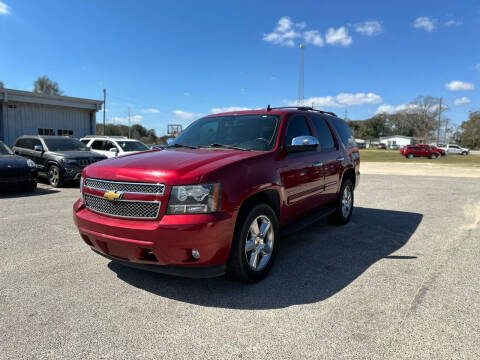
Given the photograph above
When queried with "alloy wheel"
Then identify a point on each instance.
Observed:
(347, 201)
(259, 243)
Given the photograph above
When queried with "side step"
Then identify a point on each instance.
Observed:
(305, 222)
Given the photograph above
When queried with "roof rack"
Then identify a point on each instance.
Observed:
(302, 108)
(105, 136)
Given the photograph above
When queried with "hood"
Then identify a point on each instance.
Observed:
(170, 166)
(78, 154)
(13, 162)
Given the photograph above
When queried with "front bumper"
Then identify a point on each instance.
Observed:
(162, 245)
(26, 176)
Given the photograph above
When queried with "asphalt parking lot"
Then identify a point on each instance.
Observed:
(401, 280)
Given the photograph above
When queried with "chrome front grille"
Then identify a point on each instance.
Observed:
(123, 208)
(126, 187)
(85, 162)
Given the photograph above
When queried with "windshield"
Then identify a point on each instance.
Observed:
(132, 146)
(247, 132)
(4, 149)
(65, 144)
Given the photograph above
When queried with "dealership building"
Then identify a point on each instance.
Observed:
(28, 113)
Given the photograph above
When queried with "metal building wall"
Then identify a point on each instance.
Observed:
(26, 119)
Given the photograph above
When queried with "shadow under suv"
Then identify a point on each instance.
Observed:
(59, 159)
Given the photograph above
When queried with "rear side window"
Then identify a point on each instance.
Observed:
(324, 134)
(344, 131)
(97, 145)
(297, 126)
(20, 143)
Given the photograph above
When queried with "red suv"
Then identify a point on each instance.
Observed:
(411, 151)
(215, 200)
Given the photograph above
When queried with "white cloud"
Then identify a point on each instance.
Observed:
(462, 101)
(151, 111)
(340, 100)
(124, 120)
(425, 22)
(453, 23)
(459, 86)
(285, 32)
(368, 28)
(4, 8)
(338, 37)
(228, 109)
(313, 37)
(186, 94)
(185, 115)
(389, 109)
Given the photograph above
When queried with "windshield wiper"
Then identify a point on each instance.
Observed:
(233, 147)
(181, 145)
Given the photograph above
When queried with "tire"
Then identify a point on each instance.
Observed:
(55, 177)
(410, 156)
(464, 153)
(251, 264)
(29, 187)
(433, 156)
(343, 212)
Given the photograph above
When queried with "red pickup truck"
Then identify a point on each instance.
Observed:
(215, 200)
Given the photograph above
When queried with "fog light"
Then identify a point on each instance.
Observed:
(195, 254)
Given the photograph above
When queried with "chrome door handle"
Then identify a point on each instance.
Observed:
(340, 158)
(317, 164)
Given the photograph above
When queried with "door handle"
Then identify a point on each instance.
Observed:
(340, 158)
(317, 164)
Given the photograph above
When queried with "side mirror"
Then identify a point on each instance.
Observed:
(170, 141)
(302, 143)
(38, 148)
(114, 150)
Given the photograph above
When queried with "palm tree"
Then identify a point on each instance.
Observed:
(43, 85)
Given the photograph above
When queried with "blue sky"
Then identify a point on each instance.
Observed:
(172, 61)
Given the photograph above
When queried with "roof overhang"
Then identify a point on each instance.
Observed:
(11, 95)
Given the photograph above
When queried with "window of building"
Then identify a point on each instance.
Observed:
(61, 132)
(46, 132)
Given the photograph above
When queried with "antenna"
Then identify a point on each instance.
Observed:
(300, 77)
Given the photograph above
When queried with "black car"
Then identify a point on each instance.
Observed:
(16, 171)
(58, 158)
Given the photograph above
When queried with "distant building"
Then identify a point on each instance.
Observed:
(396, 140)
(28, 113)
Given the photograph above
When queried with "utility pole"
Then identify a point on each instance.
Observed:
(300, 77)
(439, 120)
(129, 127)
(104, 105)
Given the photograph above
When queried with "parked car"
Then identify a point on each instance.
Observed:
(382, 146)
(215, 200)
(411, 151)
(454, 149)
(394, 147)
(58, 158)
(434, 148)
(112, 146)
(16, 171)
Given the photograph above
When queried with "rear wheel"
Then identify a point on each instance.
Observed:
(344, 206)
(410, 156)
(254, 244)
(433, 156)
(55, 178)
(464, 153)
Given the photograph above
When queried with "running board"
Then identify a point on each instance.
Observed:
(305, 222)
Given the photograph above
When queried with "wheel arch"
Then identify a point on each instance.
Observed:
(349, 173)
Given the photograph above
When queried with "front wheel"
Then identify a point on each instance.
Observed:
(464, 153)
(55, 178)
(410, 156)
(344, 205)
(254, 244)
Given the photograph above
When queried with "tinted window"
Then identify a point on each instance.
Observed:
(324, 134)
(85, 141)
(97, 145)
(35, 142)
(250, 132)
(297, 126)
(344, 132)
(64, 144)
(129, 146)
(20, 143)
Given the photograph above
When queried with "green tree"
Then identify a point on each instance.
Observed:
(43, 85)
(469, 134)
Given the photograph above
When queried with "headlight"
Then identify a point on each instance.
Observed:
(30, 163)
(68, 161)
(194, 199)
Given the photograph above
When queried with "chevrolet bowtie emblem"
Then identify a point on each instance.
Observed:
(113, 195)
